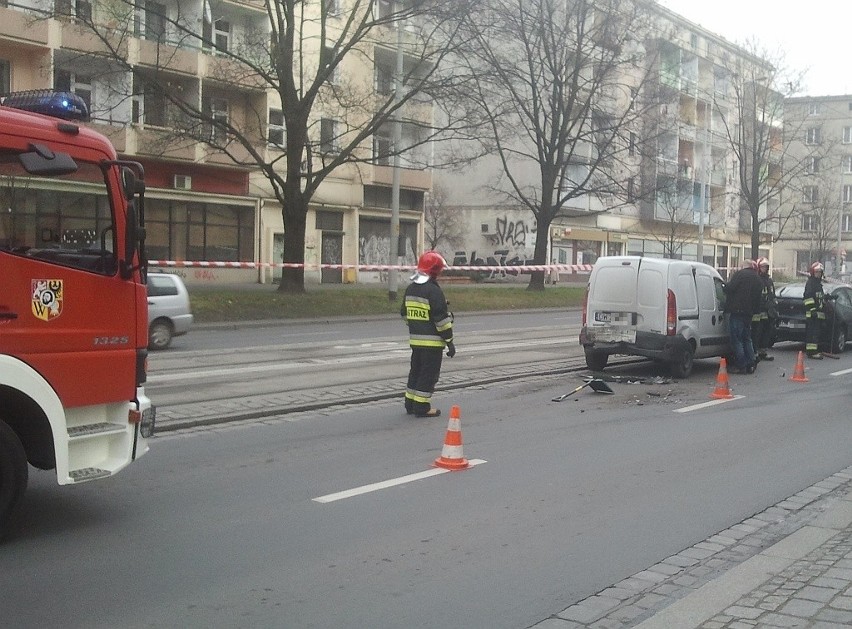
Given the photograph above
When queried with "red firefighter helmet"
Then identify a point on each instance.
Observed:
(817, 266)
(430, 264)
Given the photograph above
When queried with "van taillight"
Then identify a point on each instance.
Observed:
(671, 314)
(585, 304)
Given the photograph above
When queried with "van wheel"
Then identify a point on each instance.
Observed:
(159, 334)
(596, 361)
(683, 367)
(13, 473)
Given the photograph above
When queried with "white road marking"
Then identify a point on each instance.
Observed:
(696, 407)
(842, 372)
(364, 489)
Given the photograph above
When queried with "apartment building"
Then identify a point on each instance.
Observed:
(818, 202)
(207, 200)
(676, 160)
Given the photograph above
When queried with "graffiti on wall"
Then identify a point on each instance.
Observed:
(510, 244)
(374, 244)
(511, 233)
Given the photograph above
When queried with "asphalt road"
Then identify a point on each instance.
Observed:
(220, 527)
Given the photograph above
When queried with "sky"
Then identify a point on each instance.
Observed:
(811, 35)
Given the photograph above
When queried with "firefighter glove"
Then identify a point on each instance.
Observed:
(451, 349)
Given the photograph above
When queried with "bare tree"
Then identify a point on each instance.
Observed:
(556, 83)
(753, 127)
(674, 225)
(443, 224)
(303, 51)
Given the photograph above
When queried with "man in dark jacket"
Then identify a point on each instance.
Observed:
(430, 330)
(743, 294)
(814, 301)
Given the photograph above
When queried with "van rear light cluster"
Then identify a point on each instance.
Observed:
(671, 314)
(585, 305)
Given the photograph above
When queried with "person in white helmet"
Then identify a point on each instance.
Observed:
(814, 300)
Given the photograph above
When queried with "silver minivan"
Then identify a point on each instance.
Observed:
(169, 313)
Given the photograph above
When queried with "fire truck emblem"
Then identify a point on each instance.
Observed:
(47, 299)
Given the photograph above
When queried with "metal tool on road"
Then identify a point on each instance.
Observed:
(597, 385)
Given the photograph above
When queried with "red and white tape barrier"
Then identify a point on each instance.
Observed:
(561, 268)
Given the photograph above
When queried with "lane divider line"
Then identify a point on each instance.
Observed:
(696, 407)
(365, 489)
(842, 372)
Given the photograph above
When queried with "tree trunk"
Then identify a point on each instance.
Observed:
(540, 253)
(295, 214)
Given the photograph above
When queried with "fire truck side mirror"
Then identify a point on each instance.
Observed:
(130, 184)
(131, 240)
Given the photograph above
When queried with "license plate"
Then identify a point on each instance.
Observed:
(615, 334)
(603, 317)
(790, 324)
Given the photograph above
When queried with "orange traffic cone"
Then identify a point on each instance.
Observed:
(723, 387)
(799, 372)
(452, 457)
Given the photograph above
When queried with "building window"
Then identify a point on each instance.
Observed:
(846, 164)
(216, 33)
(383, 9)
(217, 110)
(813, 135)
(81, 9)
(176, 230)
(382, 145)
(847, 135)
(810, 222)
(810, 194)
(813, 165)
(384, 80)
(79, 84)
(846, 222)
(275, 128)
(150, 20)
(5, 76)
(814, 109)
(332, 7)
(631, 189)
(328, 135)
(847, 193)
(328, 55)
(631, 147)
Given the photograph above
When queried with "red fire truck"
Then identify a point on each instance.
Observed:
(73, 306)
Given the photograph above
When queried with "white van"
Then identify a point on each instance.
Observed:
(667, 310)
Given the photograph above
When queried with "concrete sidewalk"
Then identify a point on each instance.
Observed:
(787, 566)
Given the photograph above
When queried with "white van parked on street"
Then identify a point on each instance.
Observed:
(667, 310)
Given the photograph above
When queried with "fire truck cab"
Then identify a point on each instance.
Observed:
(73, 308)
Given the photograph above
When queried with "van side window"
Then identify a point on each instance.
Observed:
(720, 292)
(706, 292)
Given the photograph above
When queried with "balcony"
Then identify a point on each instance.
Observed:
(166, 57)
(412, 179)
(23, 29)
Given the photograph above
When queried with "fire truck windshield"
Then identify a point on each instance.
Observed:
(63, 219)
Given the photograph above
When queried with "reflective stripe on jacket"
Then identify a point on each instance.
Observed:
(425, 310)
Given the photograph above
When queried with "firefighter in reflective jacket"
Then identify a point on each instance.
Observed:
(763, 322)
(814, 300)
(430, 330)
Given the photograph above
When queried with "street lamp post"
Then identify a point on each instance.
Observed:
(397, 142)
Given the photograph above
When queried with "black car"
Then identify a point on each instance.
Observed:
(838, 315)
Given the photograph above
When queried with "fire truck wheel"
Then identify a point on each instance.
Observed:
(159, 334)
(13, 473)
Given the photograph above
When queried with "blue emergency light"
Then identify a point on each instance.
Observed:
(65, 105)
